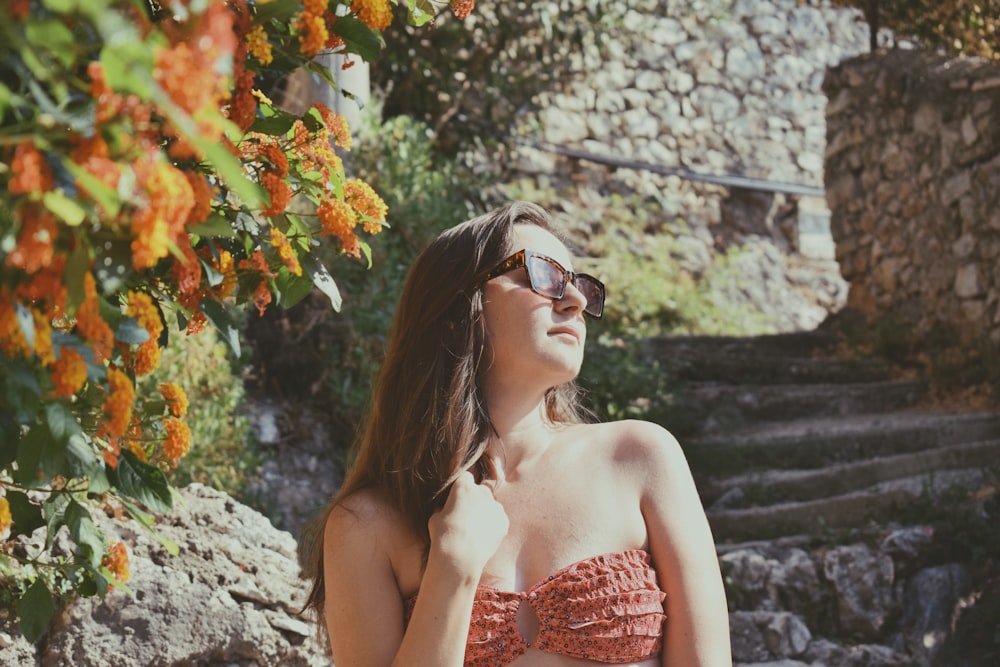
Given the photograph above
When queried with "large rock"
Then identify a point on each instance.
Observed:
(230, 597)
(863, 581)
(928, 607)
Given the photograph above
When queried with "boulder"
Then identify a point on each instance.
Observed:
(229, 597)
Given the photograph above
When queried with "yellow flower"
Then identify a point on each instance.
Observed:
(177, 400)
(285, 251)
(5, 518)
(376, 14)
(370, 206)
(258, 46)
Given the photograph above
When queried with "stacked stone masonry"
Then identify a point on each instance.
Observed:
(913, 185)
(715, 87)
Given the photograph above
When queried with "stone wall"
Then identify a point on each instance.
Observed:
(715, 87)
(913, 183)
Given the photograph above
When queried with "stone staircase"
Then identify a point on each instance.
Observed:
(807, 459)
(787, 437)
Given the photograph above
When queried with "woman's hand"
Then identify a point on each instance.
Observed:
(469, 528)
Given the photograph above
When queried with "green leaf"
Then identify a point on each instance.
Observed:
(35, 609)
(64, 207)
(10, 436)
(55, 515)
(26, 322)
(421, 12)
(85, 533)
(128, 66)
(291, 288)
(52, 36)
(130, 331)
(77, 265)
(143, 482)
(231, 171)
(215, 226)
(26, 515)
(322, 279)
(358, 38)
(145, 520)
(223, 323)
(22, 390)
(62, 423)
(276, 125)
(40, 457)
(282, 10)
(86, 463)
(106, 197)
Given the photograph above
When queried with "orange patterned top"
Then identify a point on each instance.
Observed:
(606, 608)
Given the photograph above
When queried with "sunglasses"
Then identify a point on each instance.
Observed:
(548, 278)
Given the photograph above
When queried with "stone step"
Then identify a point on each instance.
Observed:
(714, 407)
(820, 441)
(777, 486)
(796, 344)
(744, 369)
(878, 503)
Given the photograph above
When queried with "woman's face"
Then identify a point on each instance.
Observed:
(533, 339)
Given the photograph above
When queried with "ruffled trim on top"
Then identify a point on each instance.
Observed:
(607, 608)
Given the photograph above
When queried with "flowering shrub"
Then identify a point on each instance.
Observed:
(148, 186)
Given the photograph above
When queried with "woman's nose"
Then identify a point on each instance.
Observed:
(573, 299)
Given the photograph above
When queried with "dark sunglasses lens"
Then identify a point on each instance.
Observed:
(546, 278)
(594, 293)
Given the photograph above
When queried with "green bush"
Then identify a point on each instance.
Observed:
(223, 452)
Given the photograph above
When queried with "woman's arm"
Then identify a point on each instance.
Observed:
(364, 607)
(697, 626)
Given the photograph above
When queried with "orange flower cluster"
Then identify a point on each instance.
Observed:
(225, 265)
(118, 413)
(178, 440)
(112, 106)
(43, 338)
(117, 562)
(147, 357)
(194, 71)
(262, 293)
(93, 155)
(462, 8)
(69, 372)
(376, 14)
(285, 251)
(370, 206)
(336, 129)
(15, 340)
(35, 241)
(177, 400)
(169, 199)
(12, 340)
(311, 27)
(338, 219)
(91, 325)
(31, 173)
(279, 191)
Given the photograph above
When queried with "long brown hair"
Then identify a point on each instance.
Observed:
(428, 422)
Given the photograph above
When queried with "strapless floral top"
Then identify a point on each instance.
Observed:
(606, 608)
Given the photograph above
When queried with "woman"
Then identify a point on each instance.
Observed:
(483, 522)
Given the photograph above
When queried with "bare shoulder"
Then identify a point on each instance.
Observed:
(363, 518)
(636, 441)
(646, 452)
